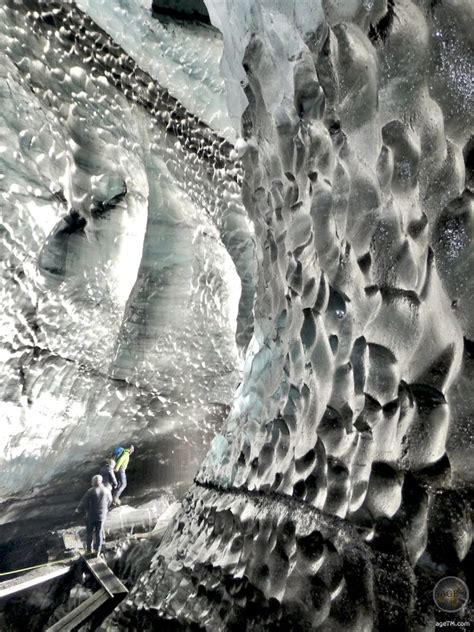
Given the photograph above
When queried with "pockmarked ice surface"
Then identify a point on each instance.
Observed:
(238, 234)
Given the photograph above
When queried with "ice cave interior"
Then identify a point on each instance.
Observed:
(238, 234)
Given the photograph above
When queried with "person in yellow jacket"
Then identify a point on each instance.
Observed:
(120, 473)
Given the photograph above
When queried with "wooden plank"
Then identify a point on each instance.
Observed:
(105, 577)
(33, 578)
(80, 615)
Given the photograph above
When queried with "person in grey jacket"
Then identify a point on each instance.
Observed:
(95, 502)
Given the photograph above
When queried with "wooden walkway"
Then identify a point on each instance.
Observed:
(110, 591)
(99, 605)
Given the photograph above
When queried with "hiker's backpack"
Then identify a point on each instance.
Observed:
(117, 453)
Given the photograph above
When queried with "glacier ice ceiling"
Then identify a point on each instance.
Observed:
(246, 248)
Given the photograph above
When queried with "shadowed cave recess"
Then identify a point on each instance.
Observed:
(258, 270)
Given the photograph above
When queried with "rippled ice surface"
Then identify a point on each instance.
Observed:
(119, 298)
(183, 57)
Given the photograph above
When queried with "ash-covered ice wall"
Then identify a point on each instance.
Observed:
(323, 503)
